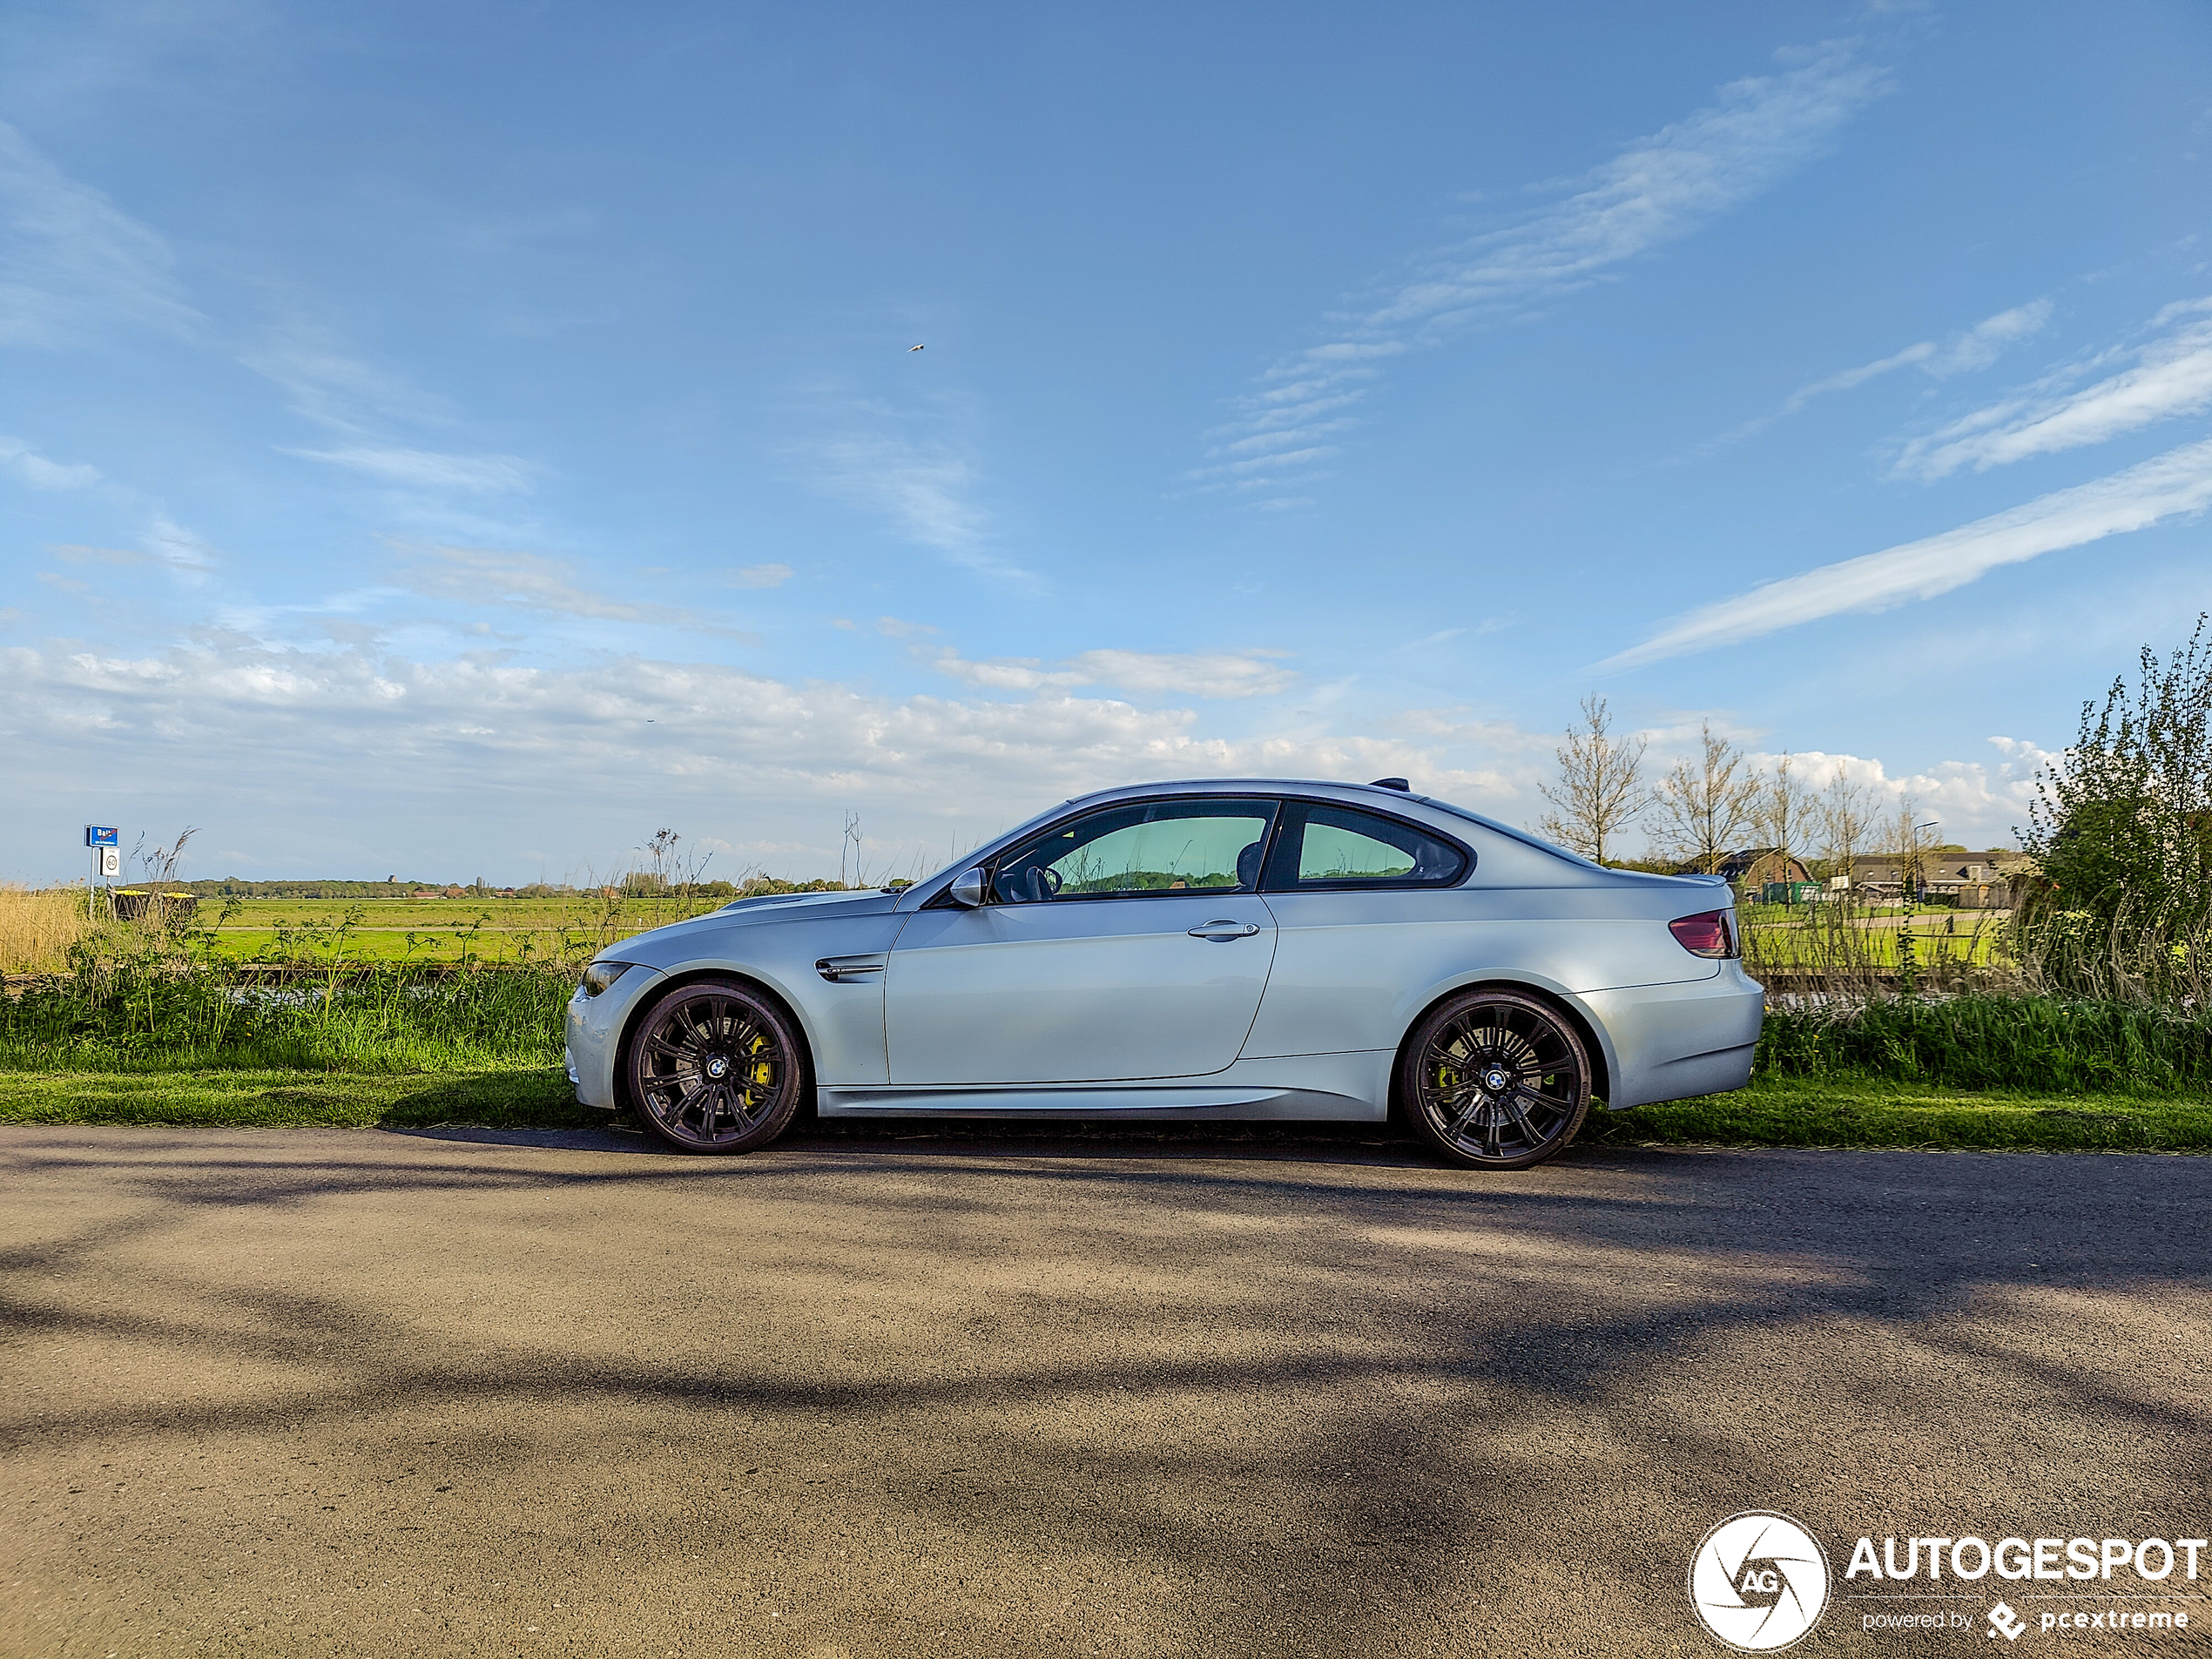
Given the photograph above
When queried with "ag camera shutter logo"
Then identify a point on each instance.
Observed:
(1759, 1582)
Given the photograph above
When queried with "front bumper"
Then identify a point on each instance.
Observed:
(594, 1027)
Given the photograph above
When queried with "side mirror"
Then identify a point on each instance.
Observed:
(967, 888)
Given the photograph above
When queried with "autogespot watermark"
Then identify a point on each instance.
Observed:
(1760, 1582)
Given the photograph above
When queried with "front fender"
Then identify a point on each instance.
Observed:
(841, 1019)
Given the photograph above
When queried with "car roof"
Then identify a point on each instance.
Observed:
(1452, 820)
(1443, 815)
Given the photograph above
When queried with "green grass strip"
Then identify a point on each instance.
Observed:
(1772, 1112)
(1844, 1111)
(534, 1099)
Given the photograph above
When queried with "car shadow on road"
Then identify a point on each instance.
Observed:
(1375, 1144)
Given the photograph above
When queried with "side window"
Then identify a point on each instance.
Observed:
(1160, 847)
(1341, 848)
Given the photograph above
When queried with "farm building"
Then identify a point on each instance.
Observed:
(1766, 873)
(1971, 880)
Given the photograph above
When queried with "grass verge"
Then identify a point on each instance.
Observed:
(532, 1099)
(1849, 1111)
(1774, 1111)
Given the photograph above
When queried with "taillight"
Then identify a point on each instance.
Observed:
(1710, 932)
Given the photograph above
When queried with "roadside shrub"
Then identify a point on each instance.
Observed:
(154, 1010)
(2040, 1045)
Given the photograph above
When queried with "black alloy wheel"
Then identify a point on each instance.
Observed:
(1496, 1080)
(714, 1067)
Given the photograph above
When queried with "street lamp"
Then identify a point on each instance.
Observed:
(1908, 875)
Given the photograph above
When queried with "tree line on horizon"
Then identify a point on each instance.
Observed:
(1707, 805)
(2120, 829)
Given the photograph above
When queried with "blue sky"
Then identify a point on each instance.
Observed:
(454, 440)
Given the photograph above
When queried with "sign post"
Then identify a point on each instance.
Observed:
(107, 845)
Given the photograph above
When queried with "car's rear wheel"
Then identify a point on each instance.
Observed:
(1496, 1080)
(714, 1067)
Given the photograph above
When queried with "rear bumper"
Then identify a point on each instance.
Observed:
(1673, 1041)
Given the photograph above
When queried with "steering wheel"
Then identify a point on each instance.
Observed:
(1050, 879)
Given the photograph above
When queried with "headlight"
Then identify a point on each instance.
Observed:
(600, 976)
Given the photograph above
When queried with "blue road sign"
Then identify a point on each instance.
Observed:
(97, 836)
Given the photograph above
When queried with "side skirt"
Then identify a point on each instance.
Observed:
(1352, 1088)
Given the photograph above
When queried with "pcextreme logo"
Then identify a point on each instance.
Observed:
(1759, 1582)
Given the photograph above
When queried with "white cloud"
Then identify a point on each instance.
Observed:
(71, 264)
(363, 754)
(2172, 376)
(426, 470)
(1656, 191)
(1986, 341)
(39, 473)
(1208, 674)
(763, 575)
(475, 576)
(1239, 674)
(1970, 348)
(924, 487)
(345, 740)
(1004, 673)
(1851, 378)
(1978, 804)
(333, 389)
(183, 551)
(2175, 484)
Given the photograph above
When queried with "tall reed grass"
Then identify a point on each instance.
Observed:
(38, 926)
(1842, 949)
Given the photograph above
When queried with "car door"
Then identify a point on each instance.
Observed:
(1127, 943)
(1363, 910)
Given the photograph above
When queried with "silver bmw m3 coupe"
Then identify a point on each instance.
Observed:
(1230, 949)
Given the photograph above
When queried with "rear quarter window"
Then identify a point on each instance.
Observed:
(1325, 846)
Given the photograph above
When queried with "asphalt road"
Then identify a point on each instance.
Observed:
(310, 1392)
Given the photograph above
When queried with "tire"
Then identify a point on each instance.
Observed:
(714, 1066)
(1495, 1080)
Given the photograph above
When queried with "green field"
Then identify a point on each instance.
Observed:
(1776, 940)
(493, 929)
(428, 930)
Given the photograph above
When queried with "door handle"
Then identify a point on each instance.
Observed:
(1222, 931)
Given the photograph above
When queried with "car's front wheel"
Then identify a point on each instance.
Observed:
(1495, 1080)
(714, 1067)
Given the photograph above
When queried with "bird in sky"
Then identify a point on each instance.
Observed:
(913, 348)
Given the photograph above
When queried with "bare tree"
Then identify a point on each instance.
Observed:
(1848, 813)
(1782, 809)
(1600, 786)
(1706, 802)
